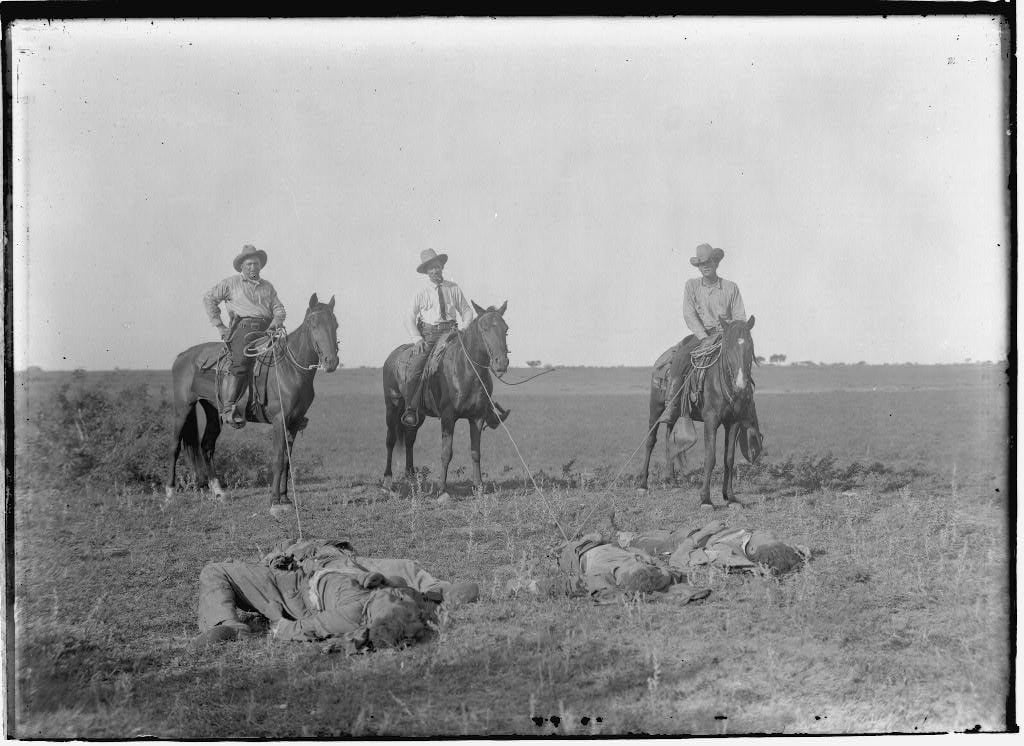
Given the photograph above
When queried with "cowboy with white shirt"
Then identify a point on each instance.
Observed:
(436, 310)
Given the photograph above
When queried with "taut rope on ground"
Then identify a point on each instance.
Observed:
(494, 408)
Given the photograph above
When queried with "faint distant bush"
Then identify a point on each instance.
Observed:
(817, 472)
(90, 435)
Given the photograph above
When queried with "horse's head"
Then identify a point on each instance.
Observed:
(323, 332)
(738, 352)
(493, 332)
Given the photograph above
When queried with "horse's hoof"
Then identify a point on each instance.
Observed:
(443, 498)
(706, 506)
(641, 490)
(386, 484)
(218, 492)
(735, 505)
(169, 492)
(280, 510)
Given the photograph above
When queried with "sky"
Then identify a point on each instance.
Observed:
(853, 170)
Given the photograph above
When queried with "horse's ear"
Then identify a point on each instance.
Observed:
(723, 321)
(330, 304)
(501, 311)
(479, 311)
(750, 323)
(313, 301)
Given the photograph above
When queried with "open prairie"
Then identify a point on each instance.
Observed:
(895, 476)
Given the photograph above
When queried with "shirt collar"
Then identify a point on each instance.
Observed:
(257, 281)
(716, 284)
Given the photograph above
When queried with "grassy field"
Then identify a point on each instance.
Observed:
(899, 624)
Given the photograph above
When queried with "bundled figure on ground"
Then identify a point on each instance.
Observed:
(317, 590)
(253, 307)
(605, 565)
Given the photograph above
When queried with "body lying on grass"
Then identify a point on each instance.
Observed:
(606, 565)
(317, 590)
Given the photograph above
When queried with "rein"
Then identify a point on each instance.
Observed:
(490, 356)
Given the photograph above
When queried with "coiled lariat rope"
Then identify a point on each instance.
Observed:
(494, 408)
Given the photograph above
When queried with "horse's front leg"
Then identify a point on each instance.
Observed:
(732, 432)
(279, 460)
(447, 434)
(710, 444)
(475, 426)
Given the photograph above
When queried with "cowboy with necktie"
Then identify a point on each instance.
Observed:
(436, 310)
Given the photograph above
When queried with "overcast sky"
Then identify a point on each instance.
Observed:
(853, 170)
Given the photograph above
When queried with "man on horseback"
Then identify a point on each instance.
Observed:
(434, 312)
(706, 300)
(253, 307)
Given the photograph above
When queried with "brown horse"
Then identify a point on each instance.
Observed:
(313, 345)
(728, 401)
(453, 393)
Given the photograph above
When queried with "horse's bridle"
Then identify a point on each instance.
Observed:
(319, 364)
(726, 372)
(490, 353)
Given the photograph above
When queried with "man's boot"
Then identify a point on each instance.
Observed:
(495, 418)
(411, 418)
(236, 389)
(672, 396)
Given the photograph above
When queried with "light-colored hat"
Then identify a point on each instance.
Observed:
(247, 251)
(429, 256)
(706, 254)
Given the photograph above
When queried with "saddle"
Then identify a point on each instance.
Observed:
(219, 362)
(693, 381)
(433, 362)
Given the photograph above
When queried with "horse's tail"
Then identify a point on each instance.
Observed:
(189, 438)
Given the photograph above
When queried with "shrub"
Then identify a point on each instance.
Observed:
(91, 435)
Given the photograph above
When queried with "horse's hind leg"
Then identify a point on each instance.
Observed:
(209, 445)
(710, 444)
(181, 420)
(657, 407)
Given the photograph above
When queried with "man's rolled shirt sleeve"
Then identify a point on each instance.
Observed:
(412, 320)
(276, 306)
(690, 315)
(466, 312)
(736, 309)
(212, 300)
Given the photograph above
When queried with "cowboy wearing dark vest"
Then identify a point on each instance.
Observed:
(706, 299)
(436, 310)
(253, 307)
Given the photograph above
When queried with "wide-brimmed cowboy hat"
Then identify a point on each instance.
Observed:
(429, 256)
(706, 254)
(247, 251)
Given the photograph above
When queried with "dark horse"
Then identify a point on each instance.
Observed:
(728, 401)
(455, 392)
(313, 345)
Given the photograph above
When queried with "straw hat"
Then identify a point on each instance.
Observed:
(706, 254)
(247, 251)
(429, 256)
